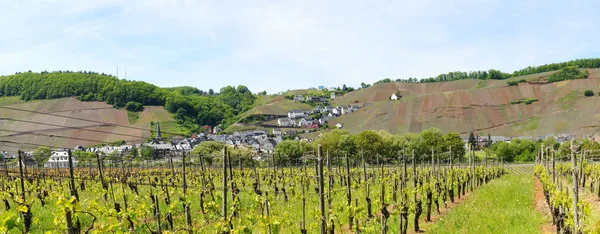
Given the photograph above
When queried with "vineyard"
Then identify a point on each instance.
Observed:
(321, 194)
(226, 193)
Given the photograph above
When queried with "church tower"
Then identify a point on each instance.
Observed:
(158, 135)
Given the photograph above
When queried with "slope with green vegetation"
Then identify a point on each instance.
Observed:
(191, 107)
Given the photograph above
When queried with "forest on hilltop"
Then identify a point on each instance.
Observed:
(498, 75)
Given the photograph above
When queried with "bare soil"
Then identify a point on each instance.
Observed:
(539, 202)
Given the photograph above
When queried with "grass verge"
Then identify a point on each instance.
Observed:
(133, 117)
(502, 206)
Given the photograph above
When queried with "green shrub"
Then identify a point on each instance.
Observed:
(515, 82)
(526, 101)
(134, 106)
(568, 73)
(588, 93)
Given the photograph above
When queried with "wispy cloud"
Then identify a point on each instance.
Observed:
(279, 45)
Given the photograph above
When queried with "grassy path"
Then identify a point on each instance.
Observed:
(502, 206)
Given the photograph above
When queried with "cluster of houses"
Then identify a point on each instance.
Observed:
(301, 118)
(316, 99)
(260, 141)
(482, 141)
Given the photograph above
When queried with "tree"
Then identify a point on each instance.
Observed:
(588, 93)
(208, 148)
(472, 141)
(41, 155)
(346, 145)
(568, 73)
(364, 85)
(263, 93)
(134, 106)
(369, 142)
(489, 141)
(134, 152)
(147, 152)
(452, 140)
(504, 151)
(289, 151)
(211, 92)
(330, 141)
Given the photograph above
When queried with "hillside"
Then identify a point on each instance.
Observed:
(479, 105)
(190, 106)
(37, 128)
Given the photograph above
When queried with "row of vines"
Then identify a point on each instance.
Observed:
(321, 195)
(562, 182)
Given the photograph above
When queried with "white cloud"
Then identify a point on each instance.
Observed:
(279, 45)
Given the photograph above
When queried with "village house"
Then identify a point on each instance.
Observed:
(285, 122)
(324, 120)
(394, 97)
(59, 159)
(313, 126)
(303, 122)
(294, 114)
(346, 110)
(332, 95)
(276, 131)
(339, 125)
(316, 99)
(298, 97)
(336, 111)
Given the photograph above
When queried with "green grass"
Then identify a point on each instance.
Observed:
(5, 101)
(169, 129)
(133, 117)
(568, 102)
(481, 84)
(503, 206)
(528, 125)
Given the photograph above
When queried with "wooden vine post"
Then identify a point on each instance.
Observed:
(418, 208)
(72, 228)
(186, 207)
(27, 216)
(575, 189)
(224, 185)
(349, 195)
(321, 189)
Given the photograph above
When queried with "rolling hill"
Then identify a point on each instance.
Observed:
(480, 106)
(42, 119)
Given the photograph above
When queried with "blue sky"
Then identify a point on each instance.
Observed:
(280, 45)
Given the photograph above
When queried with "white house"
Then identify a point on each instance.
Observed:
(298, 97)
(285, 122)
(303, 122)
(339, 125)
(347, 109)
(394, 97)
(59, 159)
(332, 95)
(293, 114)
(336, 111)
(276, 131)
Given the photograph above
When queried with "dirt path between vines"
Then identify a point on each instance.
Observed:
(539, 202)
